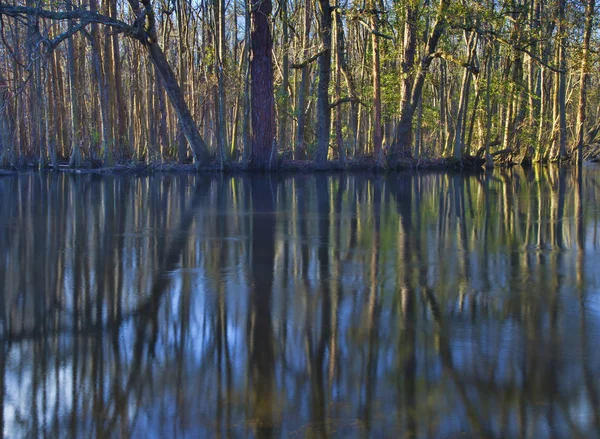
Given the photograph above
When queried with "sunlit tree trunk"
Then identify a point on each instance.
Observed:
(559, 150)
(412, 88)
(377, 134)
(583, 79)
(339, 138)
(285, 80)
(489, 163)
(459, 132)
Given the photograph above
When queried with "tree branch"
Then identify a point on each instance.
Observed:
(494, 36)
(449, 57)
(53, 43)
(83, 16)
(309, 60)
(375, 32)
(343, 101)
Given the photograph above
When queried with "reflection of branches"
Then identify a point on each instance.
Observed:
(446, 357)
(146, 307)
(145, 330)
(148, 311)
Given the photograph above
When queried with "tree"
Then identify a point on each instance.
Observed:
(377, 134)
(324, 67)
(143, 30)
(412, 87)
(559, 149)
(583, 78)
(300, 148)
(264, 153)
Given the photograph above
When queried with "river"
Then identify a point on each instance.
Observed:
(432, 305)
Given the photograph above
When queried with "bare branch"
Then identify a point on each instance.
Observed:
(343, 101)
(307, 61)
(449, 57)
(495, 37)
(83, 16)
(55, 42)
(374, 32)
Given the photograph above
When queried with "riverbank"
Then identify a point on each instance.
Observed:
(366, 164)
(468, 163)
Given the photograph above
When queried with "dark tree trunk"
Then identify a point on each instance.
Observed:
(121, 109)
(246, 139)
(324, 64)
(263, 154)
(261, 338)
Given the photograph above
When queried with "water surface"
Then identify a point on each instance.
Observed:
(422, 306)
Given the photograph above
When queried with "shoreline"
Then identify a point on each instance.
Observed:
(468, 164)
(286, 166)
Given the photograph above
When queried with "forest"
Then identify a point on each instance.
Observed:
(258, 84)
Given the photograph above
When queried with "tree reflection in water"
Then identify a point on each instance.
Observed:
(411, 305)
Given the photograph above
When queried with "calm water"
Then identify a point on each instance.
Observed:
(421, 306)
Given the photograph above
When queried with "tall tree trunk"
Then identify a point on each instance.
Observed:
(246, 139)
(324, 65)
(102, 89)
(49, 127)
(169, 80)
(560, 140)
(585, 60)
(339, 137)
(377, 135)
(188, 126)
(121, 108)
(162, 113)
(60, 127)
(345, 71)
(545, 33)
(220, 58)
(403, 133)
(300, 149)
(489, 163)
(443, 104)
(263, 154)
(6, 149)
(35, 91)
(533, 90)
(459, 133)
(285, 67)
(182, 23)
(75, 159)
(411, 94)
